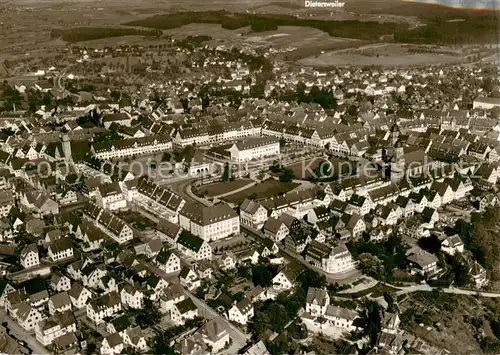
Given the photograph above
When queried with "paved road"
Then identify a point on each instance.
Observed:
(18, 332)
(237, 190)
(454, 290)
(58, 81)
(183, 189)
(22, 275)
(342, 278)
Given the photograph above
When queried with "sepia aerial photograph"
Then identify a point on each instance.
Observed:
(254, 177)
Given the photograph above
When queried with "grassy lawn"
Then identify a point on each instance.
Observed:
(305, 170)
(266, 189)
(219, 188)
(302, 169)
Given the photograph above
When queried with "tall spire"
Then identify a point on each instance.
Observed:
(394, 137)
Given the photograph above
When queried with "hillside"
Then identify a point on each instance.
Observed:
(425, 11)
(443, 26)
(368, 30)
(462, 324)
(79, 34)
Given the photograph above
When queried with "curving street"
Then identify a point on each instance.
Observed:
(183, 189)
(58, 80)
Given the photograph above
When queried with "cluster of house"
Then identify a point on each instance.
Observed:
(350, 208)
(103, 285)
(96, 285)
(105, 282)
(52, 312)
(445, 135)
(321, 316)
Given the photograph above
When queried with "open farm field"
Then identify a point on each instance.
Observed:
(27, 25)
(409, 8)
(293, 42)
(385, 55)
(439, 29)
(292, 36)
(215, 31)
(80, 34)
(260, 23)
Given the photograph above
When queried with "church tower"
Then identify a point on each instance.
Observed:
(393, 139)
(398, 164)
(396, 155)
(66, 147)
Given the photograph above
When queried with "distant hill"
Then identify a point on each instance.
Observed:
(365, 30)
(476, 27)
(78, 34)
(464, 4)
(423, 9)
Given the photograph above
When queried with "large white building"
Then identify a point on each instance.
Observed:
(214, 334)
(241, 312)
(131, 296)
(112, 344)
(193, 246)
(317, 301)
(209, 223)
(336, 260)
(216, 133)
(185, 137)
(109, 196)
(27, 316)
(183, 311)
(130, 147)
(60, 249)
(304, 135)
(320, 314)
(486, 103)
(254, 148)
